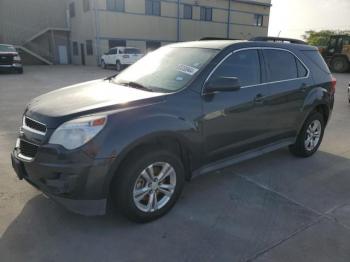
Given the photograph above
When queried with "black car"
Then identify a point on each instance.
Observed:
(183, 110)
(10, 59)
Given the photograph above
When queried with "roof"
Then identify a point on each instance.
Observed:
(222, 44)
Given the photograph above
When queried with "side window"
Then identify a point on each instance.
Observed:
(244, 65)
(302, 71)
(280, 65)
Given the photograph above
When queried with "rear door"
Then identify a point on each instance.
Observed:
(288, 82)
(236, 121)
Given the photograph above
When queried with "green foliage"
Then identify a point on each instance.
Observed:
(321, 38)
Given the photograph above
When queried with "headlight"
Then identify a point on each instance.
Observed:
(77, 132)
(17, 58)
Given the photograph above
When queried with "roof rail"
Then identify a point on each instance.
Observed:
(216, 38)
(278, 39)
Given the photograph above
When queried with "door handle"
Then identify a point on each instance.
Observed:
(259, 99)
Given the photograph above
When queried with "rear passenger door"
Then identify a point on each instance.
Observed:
(236, 121)
(287, 81)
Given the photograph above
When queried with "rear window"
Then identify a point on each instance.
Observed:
(7, 48)
(317, 59)
(132, 51)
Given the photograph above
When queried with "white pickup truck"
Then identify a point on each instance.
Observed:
(120, 57)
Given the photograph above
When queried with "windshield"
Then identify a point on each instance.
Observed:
(7, 48)
(167, 69)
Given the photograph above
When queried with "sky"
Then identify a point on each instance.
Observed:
(293, 17)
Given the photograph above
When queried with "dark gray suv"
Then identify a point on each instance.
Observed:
(183, 110)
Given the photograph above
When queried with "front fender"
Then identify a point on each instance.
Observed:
(127, 135)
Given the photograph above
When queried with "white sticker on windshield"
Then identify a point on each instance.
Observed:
(189, 70)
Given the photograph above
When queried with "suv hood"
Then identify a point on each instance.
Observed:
(86, 98)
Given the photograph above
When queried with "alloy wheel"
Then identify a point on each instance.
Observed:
(154, 187)
(313, 135)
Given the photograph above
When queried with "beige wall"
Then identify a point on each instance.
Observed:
(83, 28)
(21, 20)
(136, 28)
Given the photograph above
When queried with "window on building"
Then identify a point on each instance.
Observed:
(152, 45)
(153, 7)
(244, 65)
(89, 47)
(75, 49)
(116, 5)
(206, 13)
(274, 60)
(114, 43)
(71, 10)
(188, 11)
(86, 5)
(259, 20)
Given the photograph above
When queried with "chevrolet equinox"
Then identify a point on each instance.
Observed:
(183, 110)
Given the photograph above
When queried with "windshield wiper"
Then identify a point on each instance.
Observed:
(111, 77)
(135, 85)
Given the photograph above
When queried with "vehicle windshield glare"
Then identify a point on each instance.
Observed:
(167, 69)
(7, 48)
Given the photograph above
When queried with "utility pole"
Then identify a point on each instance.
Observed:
(178, 22)
(228, 19)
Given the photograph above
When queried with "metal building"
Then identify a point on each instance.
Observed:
(79, 31)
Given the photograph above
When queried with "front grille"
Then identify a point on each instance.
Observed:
(34, 125)
(6, 59)
(28, 149)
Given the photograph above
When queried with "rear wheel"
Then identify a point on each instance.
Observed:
(149, 184)
(20, 71)
(310, 136)
(340, 65)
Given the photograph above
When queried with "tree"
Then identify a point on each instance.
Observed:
(321, 38)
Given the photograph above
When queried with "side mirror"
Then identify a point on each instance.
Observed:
(222, 84)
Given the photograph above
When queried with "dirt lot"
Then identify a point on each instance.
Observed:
(272, 208)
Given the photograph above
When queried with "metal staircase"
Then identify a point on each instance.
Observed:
(42, 55)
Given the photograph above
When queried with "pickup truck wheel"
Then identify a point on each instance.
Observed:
(340, 65)
(118, 66)
(149, 184)
(310, 136)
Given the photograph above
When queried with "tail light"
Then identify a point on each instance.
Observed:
(334, 83)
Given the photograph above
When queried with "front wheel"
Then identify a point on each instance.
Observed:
(310, 136)
(103, 64)
(149, 184)
(118, 66)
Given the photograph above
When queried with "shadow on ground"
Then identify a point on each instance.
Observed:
(237, 214)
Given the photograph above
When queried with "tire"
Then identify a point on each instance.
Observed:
(20, 71)
(103, 64)
(340, 65)
(118, 66)
(133, 178)
(302, 148)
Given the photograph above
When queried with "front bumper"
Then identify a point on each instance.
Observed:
(76, 181)
(11, 66)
